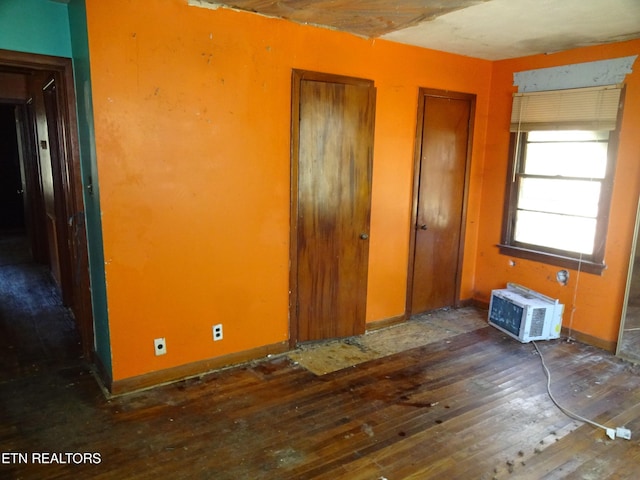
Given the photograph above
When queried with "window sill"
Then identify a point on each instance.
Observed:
(551, 259)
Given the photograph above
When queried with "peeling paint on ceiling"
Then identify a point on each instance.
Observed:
(490, 29)
(368, 18)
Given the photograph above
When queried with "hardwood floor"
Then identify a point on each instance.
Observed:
(472, 407)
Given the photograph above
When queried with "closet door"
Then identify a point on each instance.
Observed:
(444, 143)
(331, 197)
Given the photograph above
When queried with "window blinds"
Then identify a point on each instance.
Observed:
(593, 108)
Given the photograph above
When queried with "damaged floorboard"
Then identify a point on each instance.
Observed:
(465, 402)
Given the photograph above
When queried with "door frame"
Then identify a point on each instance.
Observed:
(417, 162)
(70, 167)
(297, 76)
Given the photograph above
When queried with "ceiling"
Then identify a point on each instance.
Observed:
(489, 29)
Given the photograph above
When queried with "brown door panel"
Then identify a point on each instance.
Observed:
(440, 202)
(333, 207)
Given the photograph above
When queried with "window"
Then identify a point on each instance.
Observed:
(559, 185)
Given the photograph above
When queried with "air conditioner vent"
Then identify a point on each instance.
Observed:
(525, 314)
(537, 322)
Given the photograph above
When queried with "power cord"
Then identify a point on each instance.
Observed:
(612, 433)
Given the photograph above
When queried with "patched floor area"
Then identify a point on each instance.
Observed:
(333, 355)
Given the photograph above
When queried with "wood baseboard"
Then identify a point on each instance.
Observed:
(386, 322)
(101, 374)
(181, 372)
(609, 346)
(479, 304)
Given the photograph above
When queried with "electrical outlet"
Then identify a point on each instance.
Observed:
(160, 345)
(217, 332)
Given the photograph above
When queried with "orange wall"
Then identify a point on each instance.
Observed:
(593, 303)
(192, 119)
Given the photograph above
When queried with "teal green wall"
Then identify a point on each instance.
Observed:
(35, 26)
(51, 28)
(82, 72)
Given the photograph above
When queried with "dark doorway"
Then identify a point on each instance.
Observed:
(37, 332)
(11, 184)
(333, 119)
(443, 146)
(38, 103)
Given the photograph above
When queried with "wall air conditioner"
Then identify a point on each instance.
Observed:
(524, 314)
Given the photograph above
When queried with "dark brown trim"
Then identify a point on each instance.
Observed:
(296, 80)
(465, 195)
(19, 62)
(417, 156)
(552, 259)
(300, 75)
(510, 190)
(181, 372)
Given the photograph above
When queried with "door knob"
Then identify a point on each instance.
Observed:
(364, 236)
(423, 227)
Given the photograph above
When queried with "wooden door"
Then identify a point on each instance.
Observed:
(58, 213)
(443, 151)
(35, 219)
(332, 148)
